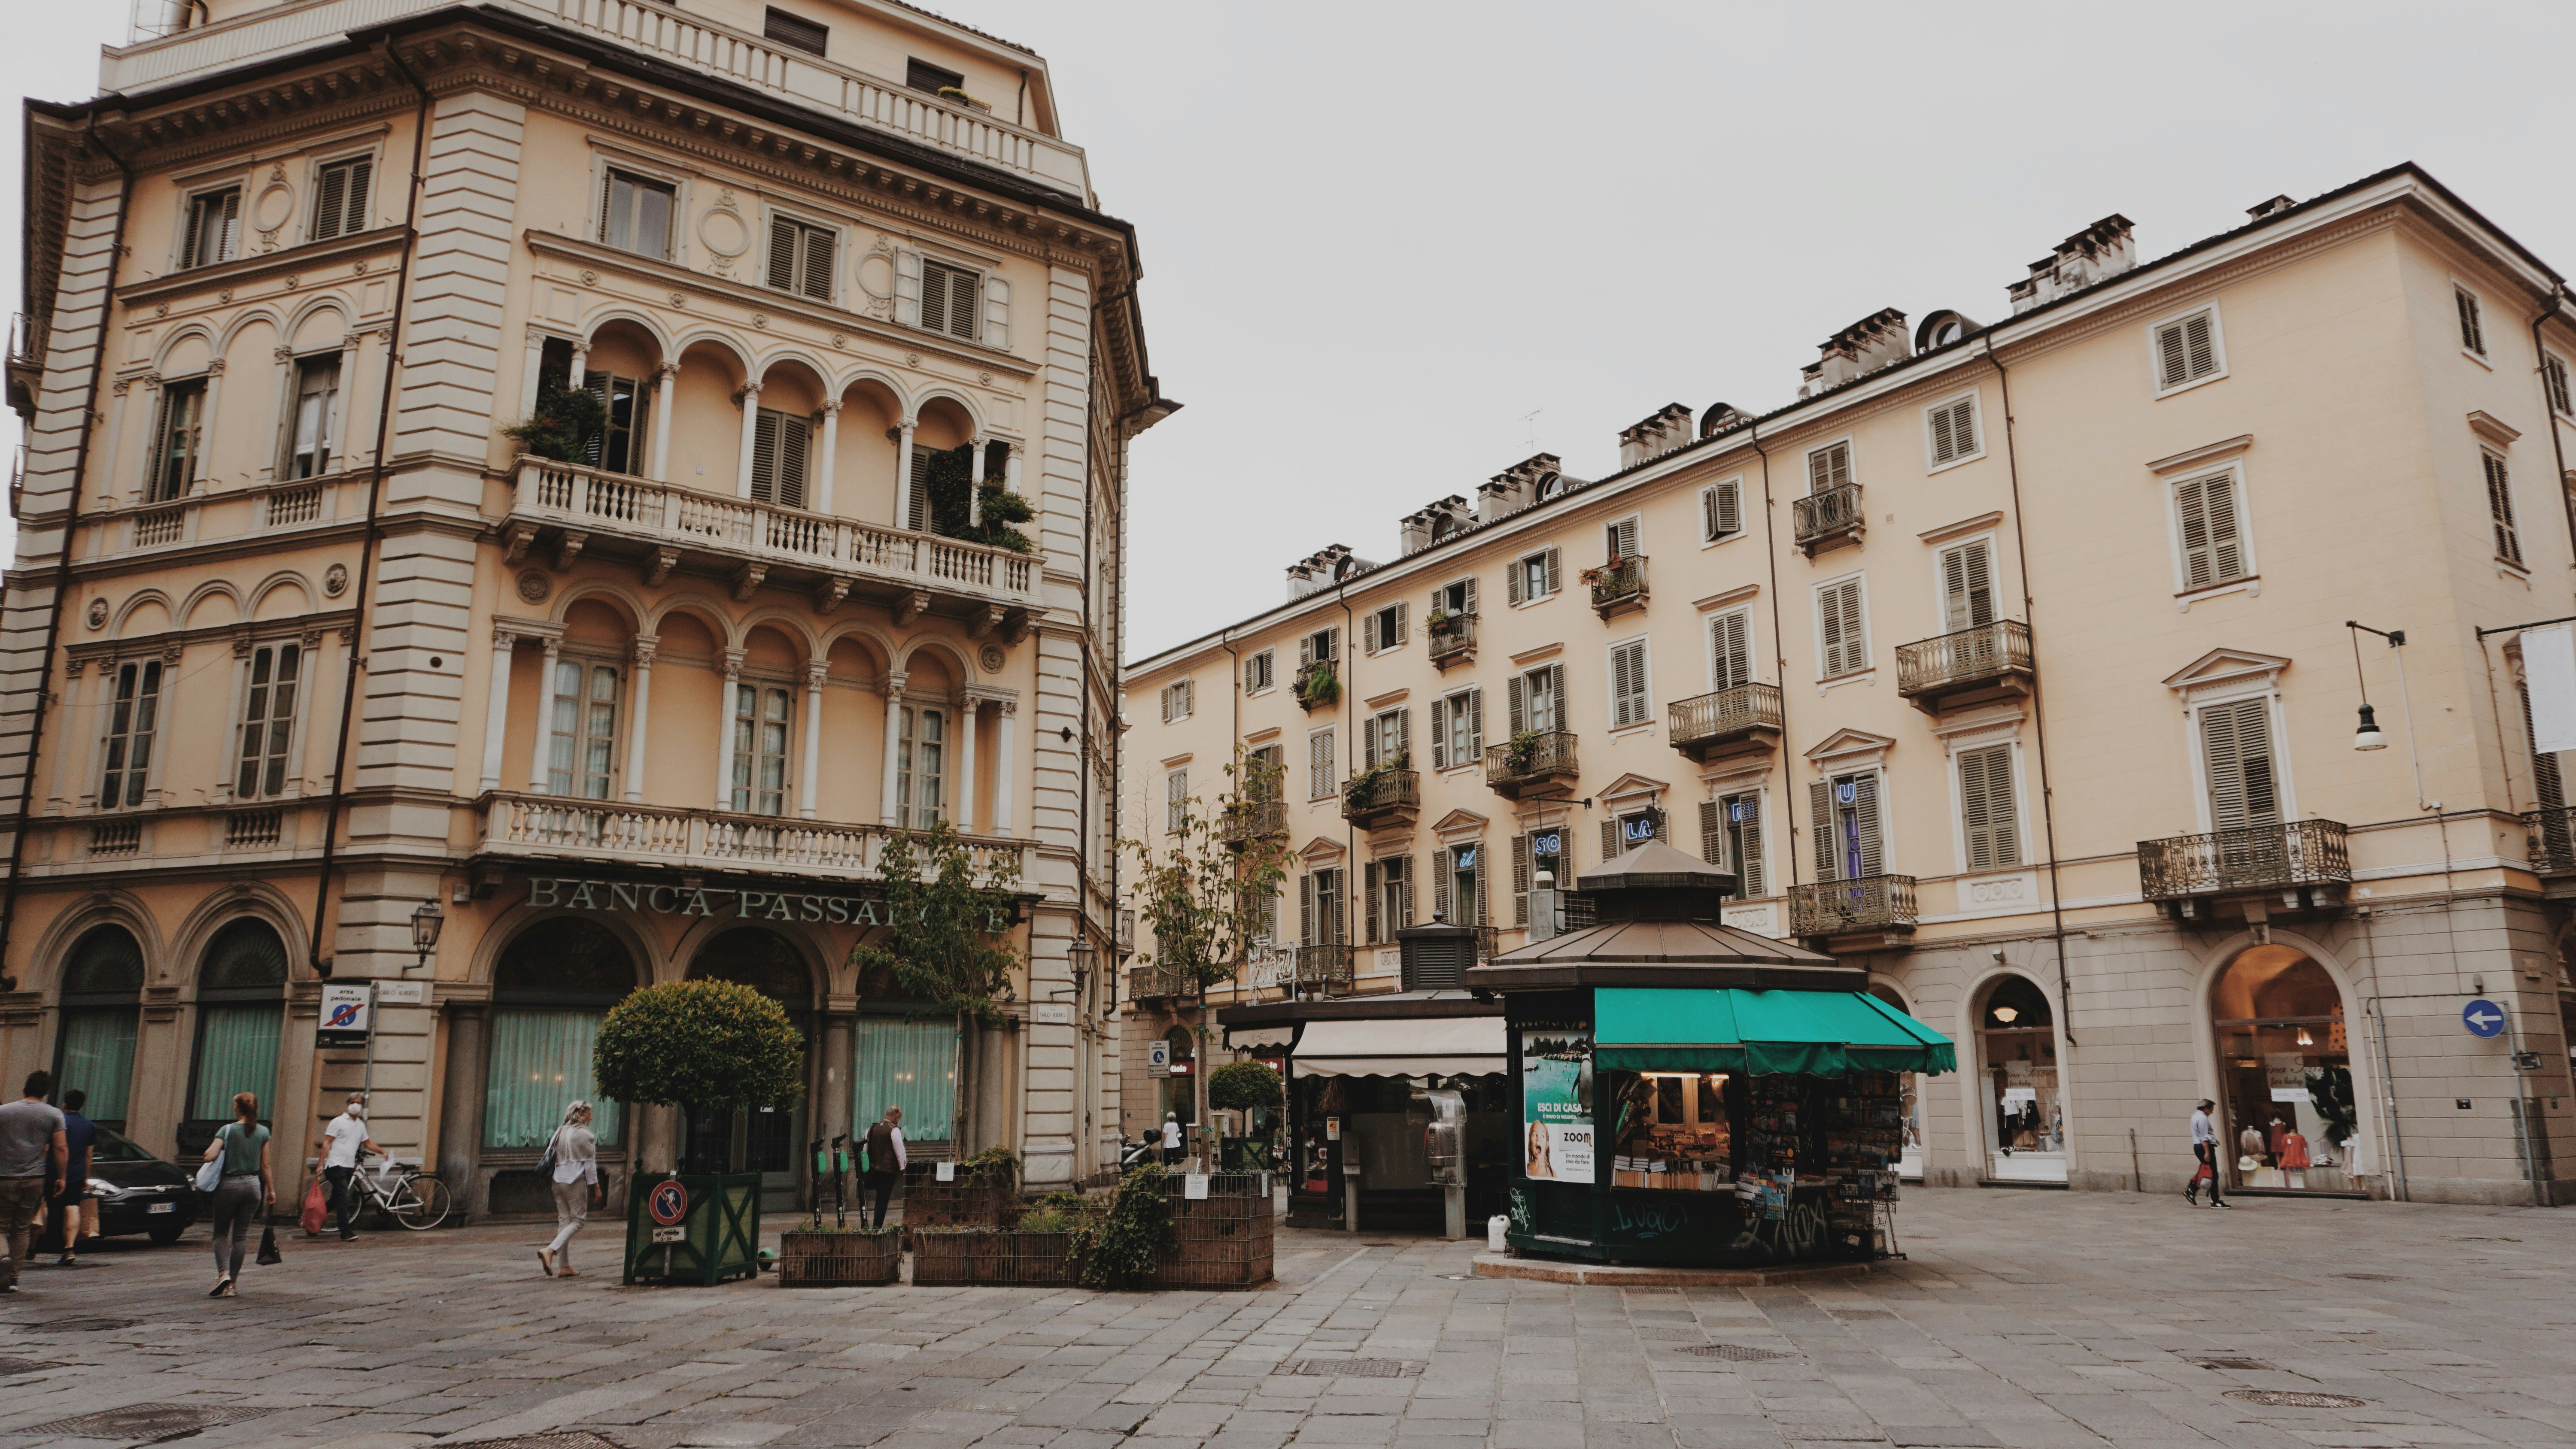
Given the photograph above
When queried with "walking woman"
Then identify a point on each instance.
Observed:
(575, 1155)
(245, 1191)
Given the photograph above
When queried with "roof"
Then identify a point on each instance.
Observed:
(1655, 866)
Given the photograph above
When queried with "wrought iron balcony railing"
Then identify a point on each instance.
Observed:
(1375, 797)
(1531, 761)
(1318, 683)
(1839, 907)
(1324, 969)
(1245, 821)
(1154, 983)
(1746, 716)
(1453, 639)
(2256, 858)
(2552, 840)
(1834, 513)
(1987, 657)
(1619, 587)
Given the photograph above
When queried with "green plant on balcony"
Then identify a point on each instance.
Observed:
(1360, 791)
(951, 483)
(562, 428)
(1440, 623)
(1521, 752)
(1319, 687)
(1608, 573)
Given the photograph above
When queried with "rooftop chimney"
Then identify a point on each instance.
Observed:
(2097, 253)
(1516, 487)
(1864, 347)
(1428, 525)
(1655, 436)
(2273, 207)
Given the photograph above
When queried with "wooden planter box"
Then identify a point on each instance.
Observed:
(983, 1257)
(975, 1200)
(1225, 1239)
(839, 1260)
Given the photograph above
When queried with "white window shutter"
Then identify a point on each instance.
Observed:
(1865, 807)
(1306, 909)
(1553, 583)
(1475, 725)
(2236, 751)
(1968, 586)
(1404, 736)
(1987, 813)
(1520, 880)
(907, 288)
(1471, 596)
(1730, 650)
(1820, 825)
(782, 253)
(2508, 539)
(1440, 887)
(1403, 622)
(997, 313)
(1518, 711)
(1512, 580)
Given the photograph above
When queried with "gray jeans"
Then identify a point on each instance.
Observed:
(572, 1208)
(236, 1203)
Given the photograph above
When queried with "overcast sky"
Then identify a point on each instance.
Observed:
(1378, 236)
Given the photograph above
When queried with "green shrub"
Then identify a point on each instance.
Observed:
(1060, 1212)
(565, 421)
(701, 1044)
(1120, 1248)
(1243, 1086)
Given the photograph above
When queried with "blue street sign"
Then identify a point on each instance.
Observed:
(2483, 1018)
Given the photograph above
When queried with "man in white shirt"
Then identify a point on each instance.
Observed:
(341, 1143)
(1171, 1138)
(2204, 1147)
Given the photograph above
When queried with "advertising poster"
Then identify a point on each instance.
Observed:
(1556, 1104)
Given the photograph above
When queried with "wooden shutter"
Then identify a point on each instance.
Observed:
(1749, 867)
(1404, 737)
(607, 209)
(1610, 844)
(907, 289)
(1829, 468)
(1628, 705)
(1554, 581)
(1557, 717)
(353, 213)
(1968, 586)
(916, 493)
(1986, 808)
(1403, 622)
(795, 437)
(1512, 580)
(2213, 551)
(1471, 596)
(2472, 333)
(782, 254)
(1519, 710)
(1820, 826)
(1622, 539)
(1368, 743)
(1865, 810)
(2236, 750)
(934, 297)
(1404, 902)
(1520, 880)
(1439, 734)
(1721, 511)
(2186, 350)
(2508, 539)
(1440, 885)
(1842, 629)
(1475, 725)
(1368, 633)
(764, 457)
(1371, 877)
(330, 202)
(997, 314)
(1712, 833)
(1730, 650)
(1482, 871)
(1954, 430)
(818, 264)
(1306, 909)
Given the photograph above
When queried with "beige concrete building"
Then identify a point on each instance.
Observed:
(2010, 658)
(297, 643)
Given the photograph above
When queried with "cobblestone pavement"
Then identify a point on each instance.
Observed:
(2021, 1319)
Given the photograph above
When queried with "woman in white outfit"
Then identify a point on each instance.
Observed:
(576, 1184)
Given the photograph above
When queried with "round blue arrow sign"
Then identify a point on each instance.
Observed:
(2483, 1018)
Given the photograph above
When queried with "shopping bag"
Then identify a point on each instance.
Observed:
(317, 1206)
(268, 1247)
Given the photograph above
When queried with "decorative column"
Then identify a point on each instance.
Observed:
(1011, 469)
(810, 776)
(283, 403)
(496, 708)
(540, 748)
(975, 483)
(834, 1108)
(530, 370)
(821, 502)
(724, 729)
(337, 428)
(903, 476)
(580, 362)
(206, 428)
(665, 384)
(1007, 717)
(750, 434)
(640, 713)
(967, 718)
(886, 811)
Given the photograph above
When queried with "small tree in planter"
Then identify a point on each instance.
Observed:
(944, 940)
(565, 421)
(1245, 1087)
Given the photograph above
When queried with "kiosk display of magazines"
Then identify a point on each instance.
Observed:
(1693, 1094)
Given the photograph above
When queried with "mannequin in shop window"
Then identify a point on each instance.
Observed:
(2250, 1142)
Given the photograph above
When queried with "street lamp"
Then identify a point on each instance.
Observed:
(1081, 955)
(426, 923)
(2368, 736)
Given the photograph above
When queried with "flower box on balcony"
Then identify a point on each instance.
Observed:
(1618, 586)
(1388, 795)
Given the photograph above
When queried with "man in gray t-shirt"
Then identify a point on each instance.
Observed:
(33, 1155)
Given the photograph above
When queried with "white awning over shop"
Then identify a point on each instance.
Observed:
(1260, 1038)
(1410, 1046)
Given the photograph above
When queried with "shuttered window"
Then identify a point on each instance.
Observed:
(1730, 649)
(1619, 539)
(1388, 886)
(1987, 815)
(312, 429)
(2213, 544)
(951, 299)
(1322, 645)
(2473, 331)
(800, 258)
(1458, 729)
(133, 718)
(794, 30)
(1844, 810)
(214, 228)
(2186, 350)
(1180, 700)
(1176, 797)
(1320, 921)
(2236, 753)
(1534, 577)
(1386, 628)
(1628, 702)
(1829, 467)
(268, 720)
(340, 197)
(778, 446)
(2508, 539)
(1721, 510)
(635, 214)
(1537, 699)
(1260, 672)
(1954, 430)
(1458, 886)
(1730, 837)
(619, 444)
(2553, 373)
(1842, 632)
(176, 435)
(1320, 779)
(1968, 586)
(1386, 742)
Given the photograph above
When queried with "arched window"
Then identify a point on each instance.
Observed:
(102, 1010)
(241, 1007)
(2291, 1116)
(553, 985)
(2017, 1037)
(759, 1140)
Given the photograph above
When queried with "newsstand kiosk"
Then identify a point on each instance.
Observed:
(1696, 1095)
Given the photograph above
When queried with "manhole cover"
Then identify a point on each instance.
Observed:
(2240, 1365)
(146, 1421)
(564, 1439)
(11, 1367)
(81, 1325)
(1658, 1333)
(2373, 1277)
(1737, 1352)
(1350, 1368)
(2289, 1399)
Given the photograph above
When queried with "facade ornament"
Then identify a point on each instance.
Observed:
(830, 592)
(293, 281)
(679, 299)
(589, 278)
(215, 368)
(335, 581)
(163, 310)
(912, 359)
(504, 640)
(569, 548)
(361, 267)
(312, 640)
(537, 334)
(662, 370)
(992, 658)
(72, 667)
(816, 671)
(731, 661)
(534, 585)
(840, 339)
(282, 353)
(746, 581)
(658, 567)
(98, 613)
(241, 644)
(120, 385)
(226, 295)
(349, 341)
(170, 653)
(151, 382)
(1008, 706)
(385, 335)
(514, 543)
(831, 409)
(641, 651)
(760, 320)
(984, 379)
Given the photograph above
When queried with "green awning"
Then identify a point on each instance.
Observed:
(1818, 1033)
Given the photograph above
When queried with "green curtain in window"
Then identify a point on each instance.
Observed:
(98, 1058)
(236, 1052)
(540, 1063)
(912, 1065)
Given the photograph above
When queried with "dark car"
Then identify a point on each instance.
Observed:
(136, 1192)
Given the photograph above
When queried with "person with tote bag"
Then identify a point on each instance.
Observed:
(238, 1162)
(571, 1165)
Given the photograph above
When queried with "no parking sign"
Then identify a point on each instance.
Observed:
(668, 1206)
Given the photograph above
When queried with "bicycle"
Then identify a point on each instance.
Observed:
(403, 1195)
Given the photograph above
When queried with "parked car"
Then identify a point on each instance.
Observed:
(136, 1193)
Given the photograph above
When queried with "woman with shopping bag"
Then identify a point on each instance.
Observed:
(238, 1161)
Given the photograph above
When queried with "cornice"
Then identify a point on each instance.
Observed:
(84, 650)
(289, 261)
(2188, 458)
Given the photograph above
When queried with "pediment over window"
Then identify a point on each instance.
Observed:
(1850, 749)
(1459, 822)
(2226, 668)
(1632, 784)
(1322, 850)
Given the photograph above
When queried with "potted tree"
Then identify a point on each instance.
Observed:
(565, 421)
(701, 1046)
(1249, 1088)
(944, 941)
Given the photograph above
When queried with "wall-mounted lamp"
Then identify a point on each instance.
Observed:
(426, 923)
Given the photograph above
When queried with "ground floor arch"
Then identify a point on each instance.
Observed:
(761, 1138)
(2290, 1101)
(2022, 1100)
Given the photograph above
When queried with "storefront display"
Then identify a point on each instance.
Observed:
(2285, 1072)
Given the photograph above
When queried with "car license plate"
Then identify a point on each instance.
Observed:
(670, 1235)
(162, 1207)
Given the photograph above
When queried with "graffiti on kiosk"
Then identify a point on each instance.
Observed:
(668, 900)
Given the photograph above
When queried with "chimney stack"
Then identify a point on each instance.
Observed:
(1654, 436)
(2097, 253)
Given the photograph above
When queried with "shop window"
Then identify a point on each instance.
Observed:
(552, 986)
(908, 1062)
(102, 998)
(241, 1008)
(2292, 1118)
(2017, 1037)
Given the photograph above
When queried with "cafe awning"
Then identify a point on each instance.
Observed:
(1402, 1047)
(1819, 1033)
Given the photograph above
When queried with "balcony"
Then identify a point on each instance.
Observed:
(1618, 588)
(2552, 843)
(1972, 666)
(26, 363)
(1318, 683)
(1453, 640)
(1323, 970)
(1854, 915)
(1826, 520)
(2294, 865)
(664, 34)
(519, 826)
(1246, 821)
(1384, 798)
(1744, 720)
(1155, 983)
(1534, 764)
(659, 526)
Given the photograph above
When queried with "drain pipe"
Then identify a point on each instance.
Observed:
(2038, 710)
(373, 533)
(1779, 658)
(63, 557)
